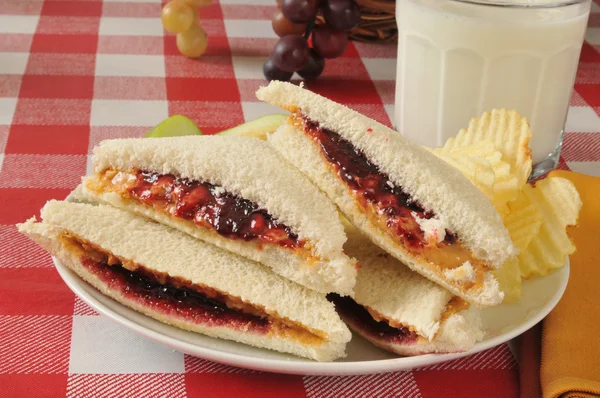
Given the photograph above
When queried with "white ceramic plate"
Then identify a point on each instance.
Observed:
(501, 324)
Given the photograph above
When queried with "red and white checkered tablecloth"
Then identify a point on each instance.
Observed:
(73, 73)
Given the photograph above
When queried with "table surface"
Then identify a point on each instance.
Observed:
(73, 73)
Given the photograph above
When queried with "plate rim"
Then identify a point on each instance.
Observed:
(308, 367)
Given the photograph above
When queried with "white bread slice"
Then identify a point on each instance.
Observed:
(251, 169)
(400, 295)
(428, 179)
(168, 251)
(458, 333)
(435, 185)
(404, 297)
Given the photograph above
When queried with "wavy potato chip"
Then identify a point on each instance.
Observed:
(476, 169)
(509, 278)
(523, 221)
(559, 204)
(510, 134)
(505, 185)
(494, 154)
(483, 149)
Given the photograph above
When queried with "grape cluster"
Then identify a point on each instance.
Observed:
(295, 24)
(181, 17)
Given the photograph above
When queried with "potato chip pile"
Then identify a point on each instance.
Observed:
(494, 154)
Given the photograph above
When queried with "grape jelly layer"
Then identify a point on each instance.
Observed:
(172, 298)
(208, 205)
(357, 316)
(371, 185)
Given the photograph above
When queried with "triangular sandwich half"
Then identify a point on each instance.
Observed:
(184, 282)
(236, 193)
(401, 311)
(404, 198)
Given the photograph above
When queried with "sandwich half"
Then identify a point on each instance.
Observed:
(399, 310)
(405, 199)
(182, 281)
(236, 193)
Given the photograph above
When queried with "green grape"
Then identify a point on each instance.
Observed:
(193, 42)
(177, 16)
(174, 126)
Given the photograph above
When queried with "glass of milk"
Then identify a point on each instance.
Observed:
(460, 58)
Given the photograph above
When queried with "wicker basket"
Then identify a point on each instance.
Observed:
(377, 22)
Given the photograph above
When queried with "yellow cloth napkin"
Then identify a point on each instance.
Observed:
(570, 360)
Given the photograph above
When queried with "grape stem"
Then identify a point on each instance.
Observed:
(309, 28)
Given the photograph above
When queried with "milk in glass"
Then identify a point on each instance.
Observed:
(457, 59)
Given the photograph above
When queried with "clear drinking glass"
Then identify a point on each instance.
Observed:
(459, 58)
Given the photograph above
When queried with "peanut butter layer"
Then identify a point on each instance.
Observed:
(155, 288)
(454, 306)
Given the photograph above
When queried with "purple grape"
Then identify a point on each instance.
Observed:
(300, 11)
(272, 72)
(283, 27)
(328, 42)
(314, 67)
(290, 53)
(341, 14)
